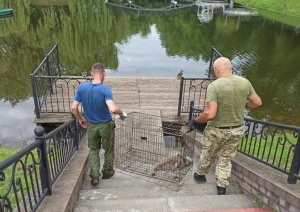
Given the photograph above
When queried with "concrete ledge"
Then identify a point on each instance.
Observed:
(66, 188)
(267, 184)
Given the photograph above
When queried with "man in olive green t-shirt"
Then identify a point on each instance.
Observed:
(227, 97)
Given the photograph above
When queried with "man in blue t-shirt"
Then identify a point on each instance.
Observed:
(97, 102)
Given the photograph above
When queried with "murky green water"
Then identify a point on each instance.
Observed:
(144, 44)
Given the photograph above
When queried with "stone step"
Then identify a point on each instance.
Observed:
(240, 210)
(125, 186)
(126, 193)
(168, 204)
(126, 180)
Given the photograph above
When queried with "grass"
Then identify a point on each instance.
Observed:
(258, 201)
(25, 168)
(266, 149)
(5, 153)
(284, 11)
(49, 2)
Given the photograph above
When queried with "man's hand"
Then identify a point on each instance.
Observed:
(83, 123)
(123, 116)
(191, 125)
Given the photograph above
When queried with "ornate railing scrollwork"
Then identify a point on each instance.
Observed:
(27, 177)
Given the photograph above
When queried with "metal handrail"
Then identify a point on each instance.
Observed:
(195, 88)
(63, 92)
(132, 6)
(42, 87)
(192, 89)
(28, 176)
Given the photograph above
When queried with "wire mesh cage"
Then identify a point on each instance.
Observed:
(154, 148)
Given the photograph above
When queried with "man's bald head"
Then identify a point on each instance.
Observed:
(222, 67)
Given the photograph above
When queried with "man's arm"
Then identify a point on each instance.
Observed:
(253, 101)
(209, 113)
(77, 114)
(113, 107)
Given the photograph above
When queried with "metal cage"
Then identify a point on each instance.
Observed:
(154, 148)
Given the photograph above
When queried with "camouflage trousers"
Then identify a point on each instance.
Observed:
(222, 144)
(101, 135)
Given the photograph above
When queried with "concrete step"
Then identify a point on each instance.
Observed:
(126, 180)
(124, 186)
(168, 204)
(126, 193)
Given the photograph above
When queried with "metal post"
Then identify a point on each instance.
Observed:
(211, 62)
(295, 163)
(39, 132)
(57, 60)
(75, 132)
(180, 96)
(191, 109)
(35, 97)
(49, 74)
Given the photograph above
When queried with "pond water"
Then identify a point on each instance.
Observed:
(144, 44)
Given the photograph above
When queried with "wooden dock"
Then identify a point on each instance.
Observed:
(130, 93)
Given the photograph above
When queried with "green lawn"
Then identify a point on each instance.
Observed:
(274, 149)
(5, 153)
(284, 7)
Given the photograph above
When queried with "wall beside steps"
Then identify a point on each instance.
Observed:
(266, 184)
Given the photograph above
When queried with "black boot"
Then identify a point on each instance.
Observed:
(199, 178)
(221, 190)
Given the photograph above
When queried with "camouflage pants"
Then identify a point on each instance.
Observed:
(220, 143)
(101, 135)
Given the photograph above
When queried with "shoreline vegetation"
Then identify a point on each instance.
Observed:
(283, 11)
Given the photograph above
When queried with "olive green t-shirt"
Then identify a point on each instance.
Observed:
(231, 93)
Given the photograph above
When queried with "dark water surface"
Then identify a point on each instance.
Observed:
(146, 45)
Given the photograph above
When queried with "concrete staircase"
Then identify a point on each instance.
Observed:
(125, 193)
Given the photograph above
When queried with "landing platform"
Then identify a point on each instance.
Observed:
(130, 94)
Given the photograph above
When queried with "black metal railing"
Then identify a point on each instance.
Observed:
(170, 7)
(62, 93)
(195, 88)
(192, 89)
(273, 144)
(41, 85)
(27, 177)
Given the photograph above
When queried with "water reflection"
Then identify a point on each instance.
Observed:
(149, 44)
(206, 10)
(154, 6)
(16, 123)
(153, 60)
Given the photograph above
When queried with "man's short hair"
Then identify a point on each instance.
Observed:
(98, 67)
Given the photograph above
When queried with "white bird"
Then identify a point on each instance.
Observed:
(180, 74)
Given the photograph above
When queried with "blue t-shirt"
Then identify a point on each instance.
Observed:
(93, 98)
